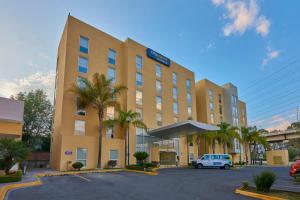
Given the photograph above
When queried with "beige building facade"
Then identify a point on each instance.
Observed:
(216, 104)
(161, 90)
(11, 118)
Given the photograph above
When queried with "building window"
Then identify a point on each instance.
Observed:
(175, 96)
(110, 112)
(112, 74)
(83, 64)
(189, 111)
(158, 103)
(139, 131)
(113, 154)
(111, 57)
(220, 109)
(139, 97)
(139, 63)
(175, 108)
(211, 106)
(188, 84)
(220, 98)
(79, 127)
(140, 111)
(158, 87)
(189, 98)
(80, 111)
(80, 82)
(158, 71)
(175, 119)
(139, 79)
(158, 119)
(212, 118)
(210, 95)
(84, 45)
(174, 78)
(81, 156)
(109, 133)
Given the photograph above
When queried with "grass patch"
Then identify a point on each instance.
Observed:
(276, 193)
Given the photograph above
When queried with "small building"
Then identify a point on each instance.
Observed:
(11, 118)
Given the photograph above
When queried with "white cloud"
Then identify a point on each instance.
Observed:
(243, 15)
(271, 54)
(218, 2)
(34, 81)
(278, 123)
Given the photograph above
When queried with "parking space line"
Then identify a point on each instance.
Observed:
(86, 179)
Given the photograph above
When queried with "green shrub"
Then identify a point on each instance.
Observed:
(264, 181)
(17, 176)
(155, 163)
(146, 165)
(112, 163)
(292, 153)
(141, 156)
(77, 165)
(245, 185)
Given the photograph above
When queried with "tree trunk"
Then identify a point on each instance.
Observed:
(100, 117)
(128, 153)
(213, 147)
(224, 148)
(246, 151)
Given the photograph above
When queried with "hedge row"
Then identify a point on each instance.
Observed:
(10, 178)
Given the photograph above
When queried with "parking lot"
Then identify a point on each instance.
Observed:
(180, 183)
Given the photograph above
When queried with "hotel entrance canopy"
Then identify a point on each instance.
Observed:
(181, 129)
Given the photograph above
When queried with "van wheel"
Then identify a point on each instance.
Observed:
(200, 166)
(226, 166)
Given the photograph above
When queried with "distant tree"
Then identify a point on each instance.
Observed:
(38, 113)
(263, 131)
(294, 126)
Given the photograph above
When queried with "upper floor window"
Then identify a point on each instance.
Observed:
(110, 112)
(84, 45)
(82, 64)
(234, 100)
(158, 87)
(79, 127)
(158, 119)
(189, 111)
(175, 108)
(109, 133)
(111, 57)
(220, 98)
(139, 97)
(210, 95)
(175, 96)
(139, 131)
(189, 98)
(211, 106)
(158, 103)
(139, 63)
(139, 79)
(188, 84)
(140, 111)
(174, 78)
(112, 74)
(80, 82)
(212, 118)
(158, 71)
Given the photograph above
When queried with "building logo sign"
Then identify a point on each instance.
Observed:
(158, 57)
(68, 152)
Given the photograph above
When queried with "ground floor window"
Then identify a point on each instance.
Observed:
(81, 155)
(113, 154)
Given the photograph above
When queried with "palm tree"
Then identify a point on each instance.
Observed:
(255, 139)
(245, 139)
(226, 135)
(126, 119)
(100, 94)
(211, 138)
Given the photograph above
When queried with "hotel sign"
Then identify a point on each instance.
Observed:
(158, 57)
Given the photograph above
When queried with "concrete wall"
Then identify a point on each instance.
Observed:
(277, 157)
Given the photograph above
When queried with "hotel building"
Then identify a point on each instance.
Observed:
(161, 90)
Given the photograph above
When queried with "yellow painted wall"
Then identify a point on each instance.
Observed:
(10, 128)
(65, 104)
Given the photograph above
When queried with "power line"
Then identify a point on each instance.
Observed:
(270, 75)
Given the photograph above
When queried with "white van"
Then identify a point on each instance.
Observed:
(223, 161)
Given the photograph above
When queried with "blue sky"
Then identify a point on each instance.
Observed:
(253, 44)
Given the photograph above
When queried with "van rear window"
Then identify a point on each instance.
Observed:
(225, 157)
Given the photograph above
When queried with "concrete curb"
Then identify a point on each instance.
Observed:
(38, 181)
(256, 195)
